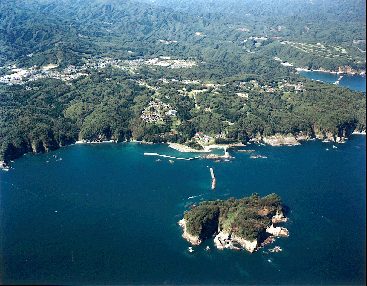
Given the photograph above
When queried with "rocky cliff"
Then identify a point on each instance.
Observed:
(235, 223)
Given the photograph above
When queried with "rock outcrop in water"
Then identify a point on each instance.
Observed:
(281, 140)
(193, 239)
(235, 223)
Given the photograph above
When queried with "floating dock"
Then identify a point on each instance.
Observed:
(214, 181)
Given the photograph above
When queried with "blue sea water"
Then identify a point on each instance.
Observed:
(353, 82)
(108, 214)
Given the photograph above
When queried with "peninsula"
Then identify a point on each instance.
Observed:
(247, 223)
(229, 82)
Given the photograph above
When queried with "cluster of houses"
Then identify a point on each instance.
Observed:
(257, 41)
(202, 138)
(18, 76)
(298, 86)
(283, 63)
(168, 42)
(171, 63)
(133, 64)
(283, 85)
(320, 49)
(14, 75)
(243, 29)
(156, 111)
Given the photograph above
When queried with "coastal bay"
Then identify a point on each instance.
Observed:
(353, 82)
(174, 142)
(103, 212)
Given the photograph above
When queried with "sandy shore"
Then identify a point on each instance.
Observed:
(185, 149)
(216, 146)
(206, 149)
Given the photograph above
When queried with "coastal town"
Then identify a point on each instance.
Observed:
(159, 111)
(156, 111)
(13, 75)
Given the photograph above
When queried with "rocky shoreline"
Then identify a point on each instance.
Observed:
(281, 140)
(341, 70)
(4, 166)
(294, 140)
(206, 148)
(272, 140)
(95, 142)
(194, 240)
(212, 224)
(359, 133)
(227, 240)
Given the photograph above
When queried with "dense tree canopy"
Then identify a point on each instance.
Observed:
(231, 52)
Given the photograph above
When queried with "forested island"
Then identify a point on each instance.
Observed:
(246, 223)
(119, 70)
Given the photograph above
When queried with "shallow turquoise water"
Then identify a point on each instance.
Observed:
(108, 214)
(353, 82)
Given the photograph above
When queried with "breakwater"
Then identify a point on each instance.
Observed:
(170, 157)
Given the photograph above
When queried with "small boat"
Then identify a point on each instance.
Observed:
(190, 249)
(334, 147)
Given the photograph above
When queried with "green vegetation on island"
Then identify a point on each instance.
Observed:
(247, 217)
(248, 221)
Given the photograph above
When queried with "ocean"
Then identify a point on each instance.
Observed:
(353, 82)
(105, 213)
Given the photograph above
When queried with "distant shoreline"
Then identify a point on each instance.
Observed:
(274, 140)
(362, 73)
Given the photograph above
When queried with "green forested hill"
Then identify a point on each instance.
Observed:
(66, 30)
(235, 91)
